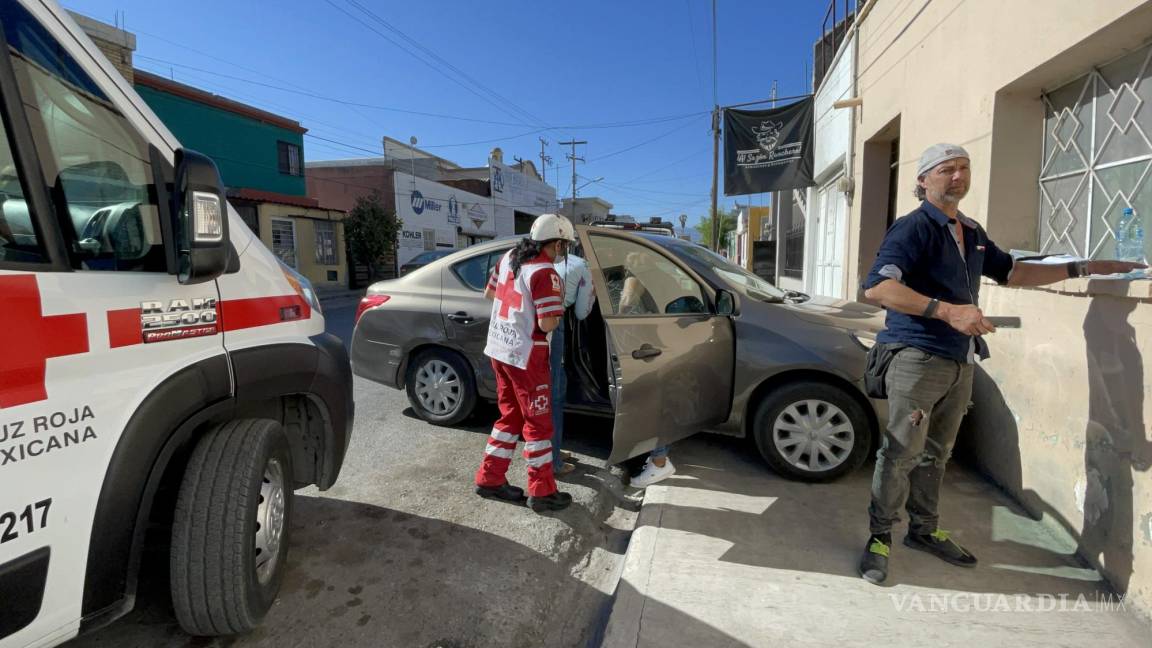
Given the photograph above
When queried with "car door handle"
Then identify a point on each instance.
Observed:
(461, 318)
(646, 351)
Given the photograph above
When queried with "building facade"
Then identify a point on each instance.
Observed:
(261, 160)
(442, 205)
(1057, 118)
(585, 210)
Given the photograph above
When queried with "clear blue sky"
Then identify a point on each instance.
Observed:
(571, 65)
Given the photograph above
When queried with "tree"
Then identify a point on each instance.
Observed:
(371, 231)
(727, 226)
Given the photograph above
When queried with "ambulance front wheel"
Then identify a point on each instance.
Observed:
(440, 387)
(230, 532)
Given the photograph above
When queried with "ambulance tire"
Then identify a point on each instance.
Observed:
(229, 495)
(442, 404)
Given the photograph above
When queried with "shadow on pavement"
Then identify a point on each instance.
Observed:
(362, 575)
(586, 435)
(776, 523)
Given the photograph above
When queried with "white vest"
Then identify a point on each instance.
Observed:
(512, 330)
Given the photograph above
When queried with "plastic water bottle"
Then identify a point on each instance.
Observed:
(1130, 239)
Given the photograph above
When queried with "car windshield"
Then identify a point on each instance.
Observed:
(734, 275)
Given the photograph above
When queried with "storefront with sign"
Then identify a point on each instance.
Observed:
(436, 216)
(519, 197)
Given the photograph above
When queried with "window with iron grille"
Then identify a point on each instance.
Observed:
(1097, 158)
(284, 241)
(288, 156)
(325, 243)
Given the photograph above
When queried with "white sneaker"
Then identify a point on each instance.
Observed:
(653, 473)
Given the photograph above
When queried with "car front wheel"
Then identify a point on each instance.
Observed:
(441, 387)
(811, 431)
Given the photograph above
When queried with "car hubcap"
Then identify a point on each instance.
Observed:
(438, 387)
(813, 435)
(269, 521)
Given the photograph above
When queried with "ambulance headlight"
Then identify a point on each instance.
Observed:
(302, 286)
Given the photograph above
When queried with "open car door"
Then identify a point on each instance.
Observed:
(670, 353)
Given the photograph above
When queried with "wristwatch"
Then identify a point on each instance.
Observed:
(930, 310)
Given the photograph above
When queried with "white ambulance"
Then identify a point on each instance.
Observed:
(159, 368)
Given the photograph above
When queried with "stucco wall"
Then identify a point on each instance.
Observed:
(1062, 410)
(305, 220)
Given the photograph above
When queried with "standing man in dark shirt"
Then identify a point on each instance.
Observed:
(927, 276)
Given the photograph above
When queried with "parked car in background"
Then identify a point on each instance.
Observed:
(423, 259)
(709, 346)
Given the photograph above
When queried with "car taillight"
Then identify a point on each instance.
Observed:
(369, 301)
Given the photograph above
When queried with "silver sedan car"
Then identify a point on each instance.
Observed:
(707, 346)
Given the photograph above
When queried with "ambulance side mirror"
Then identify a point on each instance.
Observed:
(200, 215)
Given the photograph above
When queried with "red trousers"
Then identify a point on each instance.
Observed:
(525, 399)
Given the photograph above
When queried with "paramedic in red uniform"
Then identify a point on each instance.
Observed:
(527, 306)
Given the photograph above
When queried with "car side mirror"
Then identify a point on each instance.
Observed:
(200, 219)
(725, 303)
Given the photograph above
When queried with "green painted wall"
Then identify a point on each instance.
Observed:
(243, 148)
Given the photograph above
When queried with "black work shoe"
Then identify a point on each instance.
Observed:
(940, 544)
(874, 563)
(505, 491)
(555, 502)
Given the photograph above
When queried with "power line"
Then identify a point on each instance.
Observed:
(375, 151)
(447, 64)
(489, 141)
(347, 102)
(669, 165)
(246, 69)
(427, 63)
(638, 145)
(211, 84)
(695, 51)
(326, 98)
(715, 82)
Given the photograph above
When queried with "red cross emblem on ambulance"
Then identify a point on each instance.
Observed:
(30, 338)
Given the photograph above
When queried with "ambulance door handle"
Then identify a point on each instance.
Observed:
(461, 318)
(646, 351)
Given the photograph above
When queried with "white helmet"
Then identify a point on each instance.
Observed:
(549, 227)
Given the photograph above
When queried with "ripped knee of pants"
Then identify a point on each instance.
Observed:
(917, 417)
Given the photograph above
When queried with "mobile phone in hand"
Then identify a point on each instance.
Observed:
(1004, 322)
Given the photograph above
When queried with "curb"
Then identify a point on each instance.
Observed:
(624, 621)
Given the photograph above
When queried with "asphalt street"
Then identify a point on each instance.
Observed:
(401, 552)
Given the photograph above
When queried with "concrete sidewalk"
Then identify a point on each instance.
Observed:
(726, 553)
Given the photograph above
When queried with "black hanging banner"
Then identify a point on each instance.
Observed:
(768, 150)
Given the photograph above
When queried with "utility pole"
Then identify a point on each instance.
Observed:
(544, 160)
(715, 171)
(715, 135)
(572, 156)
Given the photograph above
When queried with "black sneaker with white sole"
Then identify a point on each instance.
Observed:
(874, 563)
